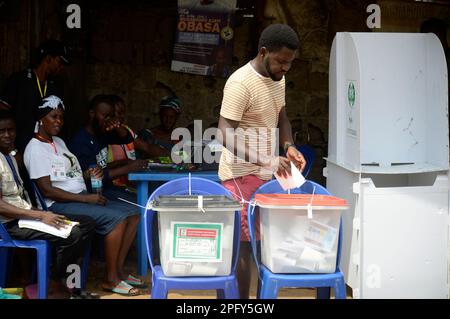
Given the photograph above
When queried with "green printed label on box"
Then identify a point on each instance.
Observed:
(196, 241)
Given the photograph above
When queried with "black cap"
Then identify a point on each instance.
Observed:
(54, 48)
(171, 102)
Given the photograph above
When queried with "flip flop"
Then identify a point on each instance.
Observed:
(135, 281)
(124, 289)
(9, 296)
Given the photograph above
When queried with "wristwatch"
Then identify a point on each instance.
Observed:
(13, 152)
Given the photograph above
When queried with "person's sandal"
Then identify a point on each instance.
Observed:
(124, 289)
(135, 281)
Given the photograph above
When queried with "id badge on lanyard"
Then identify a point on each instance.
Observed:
(58, 169)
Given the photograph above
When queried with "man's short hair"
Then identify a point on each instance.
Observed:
(277, 36)
(115, 99)
(6, 115)
(98, 99)
(5, 104)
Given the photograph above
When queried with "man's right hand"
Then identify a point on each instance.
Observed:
(53, 219)
(97, 171)
(96, 199)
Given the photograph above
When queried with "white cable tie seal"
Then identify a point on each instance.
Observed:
(190, 190)
(310, 214)
(242, 201)
(200, 203)
(309, 207)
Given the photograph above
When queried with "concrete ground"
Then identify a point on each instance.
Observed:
(96, 271)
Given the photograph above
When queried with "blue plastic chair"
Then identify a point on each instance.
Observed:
(309, 154)
(269, 282)
(226, 286)
(43, 255)
(43, 259)
(87, 254)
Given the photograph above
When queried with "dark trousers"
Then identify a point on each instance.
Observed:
(68, 250)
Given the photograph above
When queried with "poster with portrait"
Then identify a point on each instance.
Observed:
(204, 37)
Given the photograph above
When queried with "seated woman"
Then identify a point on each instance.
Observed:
(60, 179)
(15, 205)
(119, 154)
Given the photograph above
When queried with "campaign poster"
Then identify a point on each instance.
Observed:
(204, 37)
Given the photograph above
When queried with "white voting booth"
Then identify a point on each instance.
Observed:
(388, 156)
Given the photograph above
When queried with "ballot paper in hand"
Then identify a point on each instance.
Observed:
(63, 232)
(294, 180)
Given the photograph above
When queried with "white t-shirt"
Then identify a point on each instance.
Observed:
(62, 167)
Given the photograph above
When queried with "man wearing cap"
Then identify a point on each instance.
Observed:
(161, 135)
(25, 89)
(4, 105)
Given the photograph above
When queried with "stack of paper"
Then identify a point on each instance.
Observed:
(63, 232)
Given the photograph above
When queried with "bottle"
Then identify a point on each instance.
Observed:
(96, 183)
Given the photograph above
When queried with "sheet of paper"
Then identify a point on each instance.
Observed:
(294, 180)
(215, 146)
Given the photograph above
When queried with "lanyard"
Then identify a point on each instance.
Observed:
(45, 140)
(39, 86)
(13, 169)
(17, 179)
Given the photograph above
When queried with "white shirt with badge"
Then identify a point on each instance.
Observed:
(62, 166)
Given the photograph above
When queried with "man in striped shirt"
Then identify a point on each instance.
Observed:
(252, 115)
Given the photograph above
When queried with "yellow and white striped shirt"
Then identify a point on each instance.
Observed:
(255, 102)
